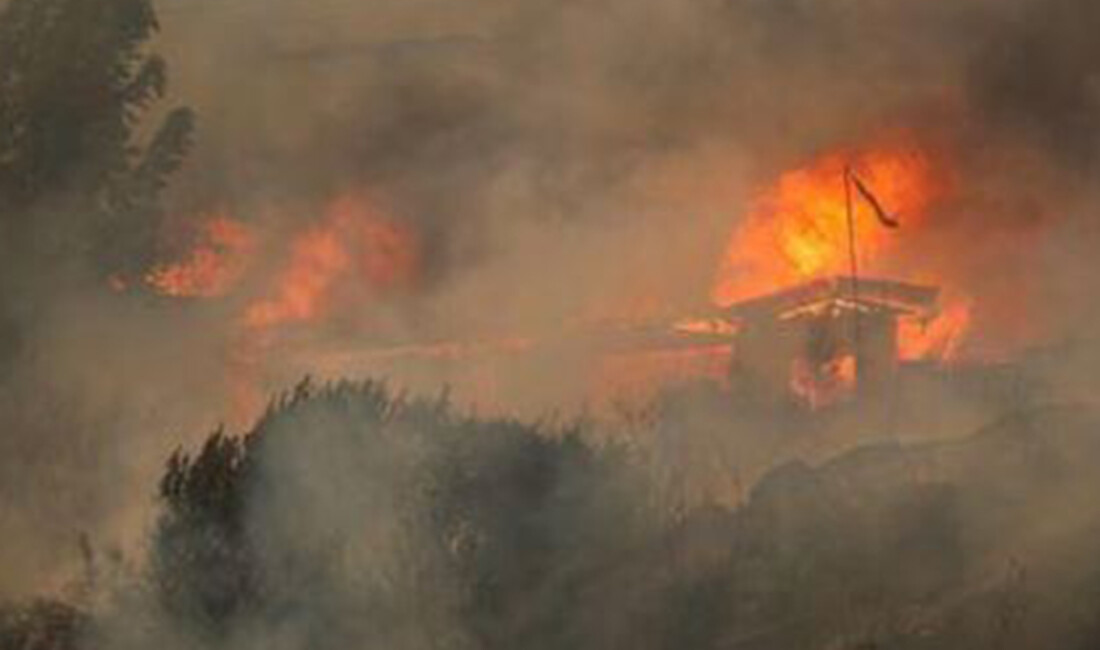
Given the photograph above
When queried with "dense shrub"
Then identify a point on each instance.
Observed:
(42, 625)
(358, 514)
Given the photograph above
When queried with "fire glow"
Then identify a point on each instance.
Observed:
(354, 242)
(797, 230)
(353, 255)
(349, 256)
(223, 250)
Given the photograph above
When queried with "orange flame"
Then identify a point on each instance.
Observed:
(824, 385)
(798, 229)
(220, 258)
(938, 338)
(353, 238)
(317, 257)
(352, 247)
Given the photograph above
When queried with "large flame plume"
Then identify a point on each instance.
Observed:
(797, 230)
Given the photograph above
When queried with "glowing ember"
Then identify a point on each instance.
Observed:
(825, 384)
(223, 251)
(704, 326)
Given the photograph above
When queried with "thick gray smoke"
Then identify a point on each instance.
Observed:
(609, 147)
(559, 161)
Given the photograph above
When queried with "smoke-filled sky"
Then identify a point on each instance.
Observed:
(557, 161)
(555, 157)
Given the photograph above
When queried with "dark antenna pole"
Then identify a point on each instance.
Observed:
(854, 263)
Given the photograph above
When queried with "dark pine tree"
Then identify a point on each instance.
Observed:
(81, 167)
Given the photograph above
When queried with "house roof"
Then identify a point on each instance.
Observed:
(874, 294)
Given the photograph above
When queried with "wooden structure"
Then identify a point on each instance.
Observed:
(827, 336)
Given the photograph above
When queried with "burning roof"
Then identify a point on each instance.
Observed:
(901, 298)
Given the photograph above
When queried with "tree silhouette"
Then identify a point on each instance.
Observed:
(76, 82)
(78, 185)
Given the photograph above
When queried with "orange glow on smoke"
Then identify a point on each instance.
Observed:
(223, 250)
(939, 338)
(797, 230)
(353, 243)
(826, 384)
(317, 258)
(387, 255)
(635, 378)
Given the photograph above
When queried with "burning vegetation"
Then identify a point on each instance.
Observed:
(352, 246)
(223, 249)
(719, 324)
(820, 221)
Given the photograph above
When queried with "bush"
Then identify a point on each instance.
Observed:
(348, 514)
(41, 625)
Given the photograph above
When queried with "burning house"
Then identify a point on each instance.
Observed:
(786, 319)
(825, 339)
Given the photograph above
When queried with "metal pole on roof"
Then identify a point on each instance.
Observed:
(854, 263)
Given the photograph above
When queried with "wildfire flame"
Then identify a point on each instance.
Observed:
(826, 384)
(797, 230)
(219, 259)
(353, 240)
(317, 258)
(938, 338)
(351, 253)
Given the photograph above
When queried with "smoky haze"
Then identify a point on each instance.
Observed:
(575, 157)
(558, 162)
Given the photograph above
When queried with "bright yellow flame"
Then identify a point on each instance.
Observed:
(798, 229)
